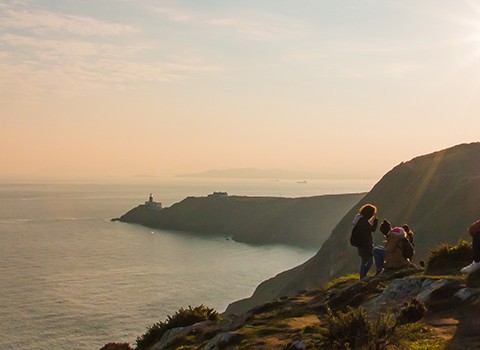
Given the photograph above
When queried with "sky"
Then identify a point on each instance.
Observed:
(119, 88)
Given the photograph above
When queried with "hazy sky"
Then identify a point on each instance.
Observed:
(120, 88)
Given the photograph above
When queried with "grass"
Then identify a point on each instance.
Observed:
(411, 312)
(353, 330)
(447, 259)
(416, 336)
(181, 318)
(341, 281)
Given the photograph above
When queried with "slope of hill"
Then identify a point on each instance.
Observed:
(408, 309)
(304, 222)
(436, 194)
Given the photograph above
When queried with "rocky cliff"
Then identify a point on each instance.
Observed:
(304, 222)
(405, 309)
(436, 194)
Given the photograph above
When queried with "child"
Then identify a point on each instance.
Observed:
(379, 252)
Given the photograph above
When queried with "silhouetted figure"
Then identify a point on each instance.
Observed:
(474, 231)
(365, 222)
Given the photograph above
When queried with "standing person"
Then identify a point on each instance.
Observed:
(474, 231)
(365, 223)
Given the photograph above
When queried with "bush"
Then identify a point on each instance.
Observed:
(352, 329)
(181, 318)
(446, 258)
(411, 312)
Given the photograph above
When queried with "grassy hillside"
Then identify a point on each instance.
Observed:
(404, 309)
(436, 194)
(304, 222)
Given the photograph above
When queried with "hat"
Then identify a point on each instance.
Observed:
(385, 227)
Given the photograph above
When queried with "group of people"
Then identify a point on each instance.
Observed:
(398, 245)
(397, 250)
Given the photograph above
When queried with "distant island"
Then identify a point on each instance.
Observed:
(253, 173)
(301, 222)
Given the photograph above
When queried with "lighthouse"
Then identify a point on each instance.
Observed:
(151, 204)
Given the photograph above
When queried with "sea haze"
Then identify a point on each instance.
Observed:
(72, 279)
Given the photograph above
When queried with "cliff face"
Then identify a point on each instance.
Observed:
(436, 194)
(418, 306)
(304, 222)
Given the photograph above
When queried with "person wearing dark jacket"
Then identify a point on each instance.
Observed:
(474, 231)
(365, 223)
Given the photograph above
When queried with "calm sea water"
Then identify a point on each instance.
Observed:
(71, 279)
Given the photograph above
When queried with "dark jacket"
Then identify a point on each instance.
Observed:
(365, 230)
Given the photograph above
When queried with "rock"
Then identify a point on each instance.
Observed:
(439, 293)
(398, 292)
(234, 322)
(466, 294)
(221, 340)
(169, 336)
(473, 279)
(353, 295)
(175, 333)
(296, 345)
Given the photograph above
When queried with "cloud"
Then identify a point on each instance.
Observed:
(33, 66)
(42, 22)
(254, 25)
(45, 52)
(175, 15)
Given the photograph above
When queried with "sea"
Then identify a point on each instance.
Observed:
(72, 279)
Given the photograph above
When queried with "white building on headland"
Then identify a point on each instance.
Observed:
(151, 204)
(218, 194)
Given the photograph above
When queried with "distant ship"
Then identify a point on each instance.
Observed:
(304, 182)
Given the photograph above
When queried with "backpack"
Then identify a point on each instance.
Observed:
(407, 248)
(355, 238)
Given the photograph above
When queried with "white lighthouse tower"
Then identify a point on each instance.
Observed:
(151, 204)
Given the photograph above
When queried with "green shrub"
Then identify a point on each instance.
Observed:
(341, 281)
(352, 330)
(417, 336)
(445, 258)
(411, 312)
(181, 318)
(312, 328)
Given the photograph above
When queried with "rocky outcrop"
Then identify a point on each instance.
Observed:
(221, 340)
(304, 222)
(436, 194)
(296, 322)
